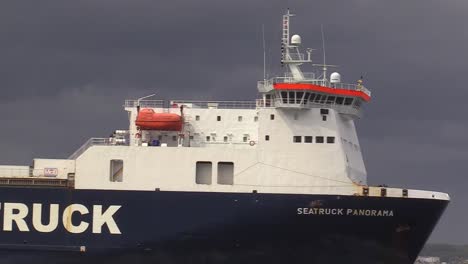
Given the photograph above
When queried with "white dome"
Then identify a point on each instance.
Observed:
(296, 40)
(335, 77)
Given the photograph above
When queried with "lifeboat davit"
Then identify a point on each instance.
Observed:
(147, 119)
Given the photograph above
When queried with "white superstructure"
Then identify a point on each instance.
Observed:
(299, 137)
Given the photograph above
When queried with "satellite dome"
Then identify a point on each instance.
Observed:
(335, 77)
(296, 40)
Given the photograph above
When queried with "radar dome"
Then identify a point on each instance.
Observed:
(296, 40)
(335, 77)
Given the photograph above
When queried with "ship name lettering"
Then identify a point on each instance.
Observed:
(17, 215)
(343, 211)
(320, 211)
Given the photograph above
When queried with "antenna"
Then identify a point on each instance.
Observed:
(324, 55)
(264, 55)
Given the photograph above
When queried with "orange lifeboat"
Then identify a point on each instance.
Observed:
(147, 119)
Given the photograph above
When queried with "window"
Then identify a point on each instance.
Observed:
(291, 97)
(272, 117)
(190, 137)
(308, 139)
(297, 139)
(203, 172)
(324, 118)
(299, 97)
(312, 97)
(239, 118)
(226, 173)
(256, 119)
(116, 170)
(225, 139)
(324, 111)
(318, 97)
(324, 98)
(218, 118)
(330, 140)
(330, 99)
(318, 139)
(348, 101)
(267, 137)
(284, 96)
(339, 100)
(306, 97)
(197, 118)
(174, 138)
(207, 138)
(244, 139)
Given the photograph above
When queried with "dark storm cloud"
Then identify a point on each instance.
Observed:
(67, 66)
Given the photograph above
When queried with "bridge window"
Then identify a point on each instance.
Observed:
(272, 117)
(348, 101)
(267, 137)
(239, 118)
(317, 98)
(324, 98)
(291, 97)
(319, 139)
(330, 140)
(197, 118)
(330, 99)
(324, 118)
(306, 97)
(203, 172)
(116, 170)
(226, 173)
(218, 118)
(284, 96)
(299, 96)
(339, 100)
(312, 97)
(207, 138)
(308, 139)
(297, 139)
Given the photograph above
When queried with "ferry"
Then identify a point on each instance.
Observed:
(280, 179)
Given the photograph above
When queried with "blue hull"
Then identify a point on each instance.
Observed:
(189, 227)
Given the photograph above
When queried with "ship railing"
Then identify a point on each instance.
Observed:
(97, 142)
(295, 56)
(224, 143)
(321, 82)
(21, 172)
(144, 103)
(215, 104)
(307, 75)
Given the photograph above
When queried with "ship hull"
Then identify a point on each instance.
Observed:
(196, 227)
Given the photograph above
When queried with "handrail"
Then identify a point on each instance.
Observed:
(325, 83)
(21, 172)
(217, 104)
(92, 142)
(145, 103)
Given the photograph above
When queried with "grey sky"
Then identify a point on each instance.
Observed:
(67, 66)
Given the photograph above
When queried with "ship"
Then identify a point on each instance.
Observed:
(280, 179)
